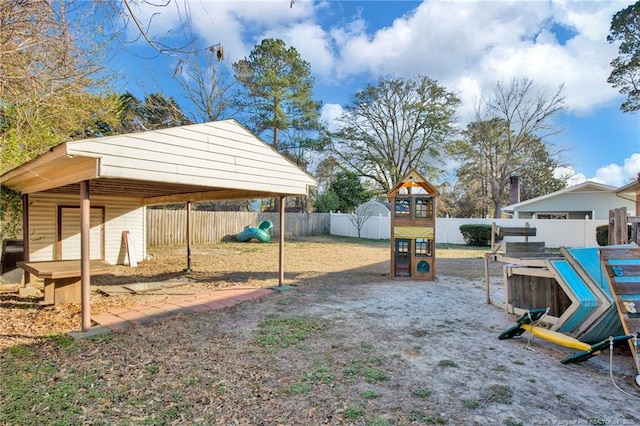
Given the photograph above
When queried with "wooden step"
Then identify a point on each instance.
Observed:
(624, 270)
(619, 253)
(622, 266)
(626, 288)
(633, 326)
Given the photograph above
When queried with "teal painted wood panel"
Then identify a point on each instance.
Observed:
(586, 300)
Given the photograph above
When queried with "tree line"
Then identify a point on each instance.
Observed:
(55, 87)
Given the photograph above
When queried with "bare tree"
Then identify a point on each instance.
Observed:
(359, 218)
(516, 118)
(48, 89)
(207, 83)
(394, 126)
(122, 14)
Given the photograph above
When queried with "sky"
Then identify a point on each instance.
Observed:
(467, 46)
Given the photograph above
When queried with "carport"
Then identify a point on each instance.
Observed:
(202, 162)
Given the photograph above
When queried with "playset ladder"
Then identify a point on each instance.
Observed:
(622, 268)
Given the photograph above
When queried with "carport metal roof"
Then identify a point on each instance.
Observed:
(210, 161)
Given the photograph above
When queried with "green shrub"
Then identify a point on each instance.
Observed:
(477, 234)
(602, 234)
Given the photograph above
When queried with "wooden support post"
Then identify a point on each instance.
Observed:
(486, 277)
(85, 254)
(188, 237)
(281, 244)
(505, 278)
(610, 226)
(622, 225)
(25, 235)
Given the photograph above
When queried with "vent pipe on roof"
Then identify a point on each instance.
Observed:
(514, 189)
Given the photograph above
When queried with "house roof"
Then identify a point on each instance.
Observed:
(587, 186)
(383, 204)
(631, 190)
(411, 180)
(219, 160)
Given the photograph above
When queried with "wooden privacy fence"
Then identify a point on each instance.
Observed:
(169, 227)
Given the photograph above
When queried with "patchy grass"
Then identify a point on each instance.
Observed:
(322, 354)
(320, 374)
(34, 389)
(276, 332)
(370, 394)
(500, 394)
(367, 367)
(374, 375)
(378, 421)
(299, 389)
(420, 417)
(471, 404)
(421, 393)
(353, 414)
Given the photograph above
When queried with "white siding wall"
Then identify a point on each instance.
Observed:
(121, 214)
(220, 154)
(598, 202)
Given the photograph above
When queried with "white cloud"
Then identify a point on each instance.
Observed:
(453, 42)
(491, 41)
(238, 25)
(573, 178)
(611, 174)
(329, 114)
(617, 175)
(466, 45)
(316, 46)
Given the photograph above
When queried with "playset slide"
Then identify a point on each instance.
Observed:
(261, 233)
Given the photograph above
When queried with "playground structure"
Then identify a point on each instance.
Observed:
(413, 214)
(261, 233)
(528, 322)
(591, 295)
(521, 258)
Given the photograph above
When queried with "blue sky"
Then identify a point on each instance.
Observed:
(466, 45)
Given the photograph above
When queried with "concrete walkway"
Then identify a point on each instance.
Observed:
(123, 318)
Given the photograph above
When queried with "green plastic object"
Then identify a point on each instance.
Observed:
(423, 266)
(595, 349)
(528, 317)
(261, 233)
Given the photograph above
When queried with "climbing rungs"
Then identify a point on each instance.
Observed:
(626, 287)
(634, 325)
(622, 267)
(630, 304)
(619, 254)
(624, 270)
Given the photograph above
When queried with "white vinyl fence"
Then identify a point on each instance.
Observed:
(554, 232)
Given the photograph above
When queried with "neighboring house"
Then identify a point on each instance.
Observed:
(631, 191)
(589, 199)
(373, 208)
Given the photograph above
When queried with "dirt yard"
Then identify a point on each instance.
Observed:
(345, 346)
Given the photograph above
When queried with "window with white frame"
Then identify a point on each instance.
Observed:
(554, 215)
